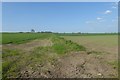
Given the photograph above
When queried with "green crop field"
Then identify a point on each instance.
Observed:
(17, 38)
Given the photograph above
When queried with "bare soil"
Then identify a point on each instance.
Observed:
(74, 65)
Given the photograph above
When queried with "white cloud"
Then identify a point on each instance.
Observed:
(88, 22)
(115, 20)
(107, 12)
(102, 20)
(114, 7)
(116, 3)
(98, 18)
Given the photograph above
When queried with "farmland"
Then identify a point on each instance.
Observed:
(49, 55)
(21, 37)
(94, 42)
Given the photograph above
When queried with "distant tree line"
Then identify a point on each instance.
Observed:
(33, 31)
(64, 33)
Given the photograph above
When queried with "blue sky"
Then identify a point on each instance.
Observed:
(60, 16)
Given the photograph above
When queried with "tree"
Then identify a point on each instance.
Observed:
(32, 30)
(79, 32)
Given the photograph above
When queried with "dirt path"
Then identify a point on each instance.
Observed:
(74, 65)
(82, 65)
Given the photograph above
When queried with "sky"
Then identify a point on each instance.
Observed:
(68, 17)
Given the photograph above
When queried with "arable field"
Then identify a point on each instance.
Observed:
(48, 55)
(107, 43)
(106, 46)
